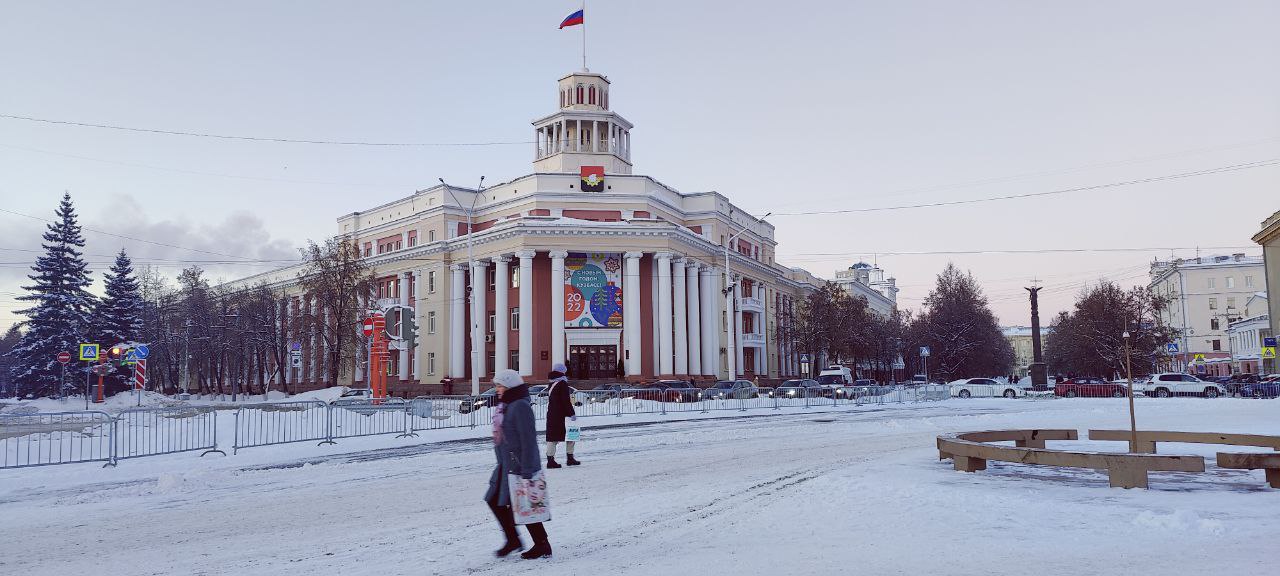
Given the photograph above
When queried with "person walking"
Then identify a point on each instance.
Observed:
(559, 407)
(515, 444)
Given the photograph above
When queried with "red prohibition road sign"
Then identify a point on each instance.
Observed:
(64, 357)
(368, 326)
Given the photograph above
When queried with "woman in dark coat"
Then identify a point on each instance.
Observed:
(559, 407)
(515, 444)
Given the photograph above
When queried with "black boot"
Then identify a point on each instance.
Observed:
(507, 521)
(572, 461)
(551, 462)
(541, 547)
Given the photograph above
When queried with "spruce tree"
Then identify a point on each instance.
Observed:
(58, 320)
(118, 315)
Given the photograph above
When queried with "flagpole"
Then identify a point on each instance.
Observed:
(584, 35)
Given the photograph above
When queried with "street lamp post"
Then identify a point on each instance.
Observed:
(731, 350)
(477, 354)
(1133, 423)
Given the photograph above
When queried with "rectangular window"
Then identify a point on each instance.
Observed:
(1231, 281)
(1213, 303)
(1248, 281)
(493, 278)
(515, 318)
(513, 360)
(493, 322)
(368, 249)
(1231, 303)
(413, 238)
(1217, 345)
(431, 362)
(431, 322)
(1213, 283)
(489, 364)
(1213, 323)
(515, 278)
(397, 244)
(431, 282)
(431, 235)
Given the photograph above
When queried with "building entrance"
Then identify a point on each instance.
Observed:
(591, 362)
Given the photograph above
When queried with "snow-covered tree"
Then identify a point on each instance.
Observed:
(118, 314)
(59, 317)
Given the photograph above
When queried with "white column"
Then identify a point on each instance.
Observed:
(664, 314)
(692, 298)
(631, 312)
(557, 306)
(681, 342)
(479, 303)
(406, 279)
(419, 295)
(458, 327)
(526, 311)
(501, 285)
(736, 325)
(710, 322)
(764, 331)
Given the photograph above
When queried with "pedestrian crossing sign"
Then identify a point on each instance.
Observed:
(1269, 352)
(89, 352)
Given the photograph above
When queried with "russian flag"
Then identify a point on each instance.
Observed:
(573, 20)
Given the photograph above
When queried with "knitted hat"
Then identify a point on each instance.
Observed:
(508, 379)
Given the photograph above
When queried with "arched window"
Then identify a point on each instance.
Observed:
(591, 94)
(604, 99)
(562, 98)
(579, 99)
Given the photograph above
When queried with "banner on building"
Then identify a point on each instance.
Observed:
(593, 290)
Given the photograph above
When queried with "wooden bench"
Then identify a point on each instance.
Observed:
(969, 452)
(1270, 463)
(1147, 438)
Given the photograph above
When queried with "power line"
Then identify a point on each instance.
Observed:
(1207, 171)
(259, 138)
(122, 236)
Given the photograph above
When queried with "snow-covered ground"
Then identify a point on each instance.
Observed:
(818, 491)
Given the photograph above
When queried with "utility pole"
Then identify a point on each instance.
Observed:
(1133, 423)
(731, 350)
(477, 345)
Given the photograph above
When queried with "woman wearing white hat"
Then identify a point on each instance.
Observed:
(559, 407)
(515, 443)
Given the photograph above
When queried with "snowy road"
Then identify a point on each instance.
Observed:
(852, 491)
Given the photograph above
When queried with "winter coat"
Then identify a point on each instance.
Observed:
(518, 452)
(559, 407)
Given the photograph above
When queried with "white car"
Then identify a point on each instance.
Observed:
(1174, 384)
(984, 388)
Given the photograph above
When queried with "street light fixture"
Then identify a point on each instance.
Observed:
(476, 352)
(731, 349)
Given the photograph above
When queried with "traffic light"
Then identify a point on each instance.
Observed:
(409, 328)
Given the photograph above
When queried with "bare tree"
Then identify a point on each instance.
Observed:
(336, 277)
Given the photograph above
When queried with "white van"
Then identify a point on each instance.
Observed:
(834, 377)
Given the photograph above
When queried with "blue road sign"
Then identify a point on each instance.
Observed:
(1269, 342)
(141, 351)
(89, 352)
(1172, 347)
(804, 357)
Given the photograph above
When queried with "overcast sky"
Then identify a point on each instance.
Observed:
(784, 107)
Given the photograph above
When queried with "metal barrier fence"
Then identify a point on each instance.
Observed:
(280, 423)
(349, 420)
(41, 439)
(153, 431)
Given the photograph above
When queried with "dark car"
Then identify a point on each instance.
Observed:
(799, 388)
(1269, 389)
(603, 392)
(664, 391)
(1236, 381)
(486, 399)
(731, 389)
(1089, 388)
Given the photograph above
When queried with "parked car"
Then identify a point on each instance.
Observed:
(663, 391)
(799, 388)
(970, 387)
(1236, 381)
(1174, 384)
(1269, 388)
(729, 389)
(603, 392)
(919, 380)
(1089, 388)
(486, 399)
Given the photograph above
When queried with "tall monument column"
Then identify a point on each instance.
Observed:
(1039, 374)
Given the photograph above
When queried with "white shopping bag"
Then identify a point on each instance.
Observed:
(573, 433)
(529, 502)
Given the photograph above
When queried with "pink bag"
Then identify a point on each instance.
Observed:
(529, 502)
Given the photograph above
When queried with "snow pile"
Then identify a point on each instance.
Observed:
(1178, 521)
